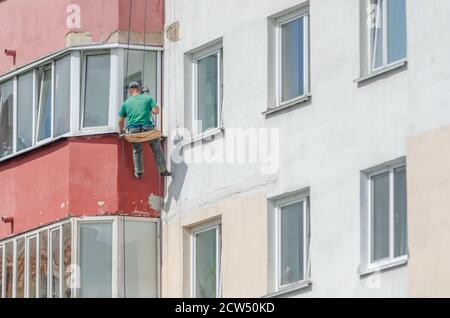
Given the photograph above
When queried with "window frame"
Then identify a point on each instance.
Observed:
(13, 82)
(304, 198)
(58, 59)
(28, 236)
(50, 258)
(213, 50)
(373, 265)
(280, 21)
(37, 110)
(84, 59)
(373, 40)
(33, 109)
(28, 264)
(117, 254)
(76, 253)
(217, 226)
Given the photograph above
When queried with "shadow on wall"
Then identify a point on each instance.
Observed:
(179, 171)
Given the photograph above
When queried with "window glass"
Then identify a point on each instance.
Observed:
(55, 263)
(44, 113)
(97, 85)
(9, 260)
(43, 263)
(32, 267)
(62, 96)
(397, 30)
(292, 42)
(206, 264)
(389, 33)
(380, 224)
(400, 209)
(25, 111)
(20, 268)
(292, 243)
(147, 77)
(67, 257)
(207, 92)
(6, 119)
(140, 259)
(95, 260)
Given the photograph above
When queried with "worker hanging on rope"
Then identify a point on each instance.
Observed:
(137, 109)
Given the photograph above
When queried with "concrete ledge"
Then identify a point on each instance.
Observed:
(292, 104)
(395, 67)
(206, 136)
(296, 288)
(387, 266)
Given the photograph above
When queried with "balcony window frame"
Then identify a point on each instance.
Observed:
(37, 110)
(28, 264)
(118, 227)
(76, 55)
(84, 63)
(13, 83)
(70, 97)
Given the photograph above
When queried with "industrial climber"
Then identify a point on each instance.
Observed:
(137, 109)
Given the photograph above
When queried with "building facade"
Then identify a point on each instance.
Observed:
(307, 139)
(351, 97)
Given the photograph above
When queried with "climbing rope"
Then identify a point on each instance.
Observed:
(129, 38)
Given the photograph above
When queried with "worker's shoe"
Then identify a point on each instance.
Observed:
(166, 174)
(138, 175)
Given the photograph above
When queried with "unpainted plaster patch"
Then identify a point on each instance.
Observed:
(101, 203)
(78, 38)
(155, 202)
(151, 38)
(173, 32)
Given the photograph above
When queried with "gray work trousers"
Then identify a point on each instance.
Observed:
(156, 148)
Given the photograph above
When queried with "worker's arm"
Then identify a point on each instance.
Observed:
(121, 124)
(155, 110)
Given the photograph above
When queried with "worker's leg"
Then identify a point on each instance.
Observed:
(137, 157)
(158, 154)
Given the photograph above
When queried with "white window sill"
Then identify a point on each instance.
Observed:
(206, 136)
(290, 104)
(289, 290)
(385, 70)
(390, 264)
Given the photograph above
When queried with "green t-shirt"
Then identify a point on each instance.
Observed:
(137, 110)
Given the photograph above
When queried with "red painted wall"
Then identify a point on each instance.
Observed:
(35, 28)
(83, 176)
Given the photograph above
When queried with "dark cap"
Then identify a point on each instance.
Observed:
(134, 85)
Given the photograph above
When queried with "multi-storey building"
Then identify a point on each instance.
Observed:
(69, 200)
(353, 96)
(308, 142)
